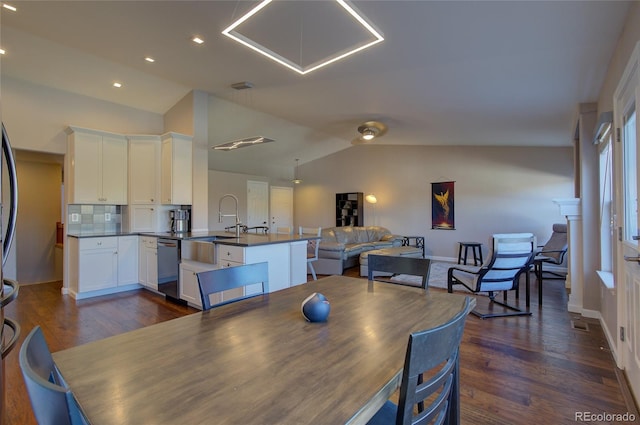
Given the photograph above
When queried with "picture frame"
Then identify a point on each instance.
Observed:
(442, 206)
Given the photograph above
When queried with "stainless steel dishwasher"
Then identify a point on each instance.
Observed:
(168, 268)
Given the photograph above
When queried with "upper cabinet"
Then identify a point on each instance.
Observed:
(144, 170)
(97, 163)
(176, 169)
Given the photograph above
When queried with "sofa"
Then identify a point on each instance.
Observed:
(340, 247)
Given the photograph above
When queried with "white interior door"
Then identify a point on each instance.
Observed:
(281, 202)
(257, 203)
(628, 272)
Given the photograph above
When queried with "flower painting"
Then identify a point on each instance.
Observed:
(442, 211)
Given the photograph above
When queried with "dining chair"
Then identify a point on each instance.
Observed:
(512, 255)
(243, 276)
(401, 268)
(312, 247)
(51, 399)
(429, 389)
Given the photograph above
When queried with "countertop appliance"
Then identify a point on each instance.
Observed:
(9, 288)
(169, 268)
(179, 221)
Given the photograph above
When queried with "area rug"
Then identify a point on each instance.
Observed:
(437, 275)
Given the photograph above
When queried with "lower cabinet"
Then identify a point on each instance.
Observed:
(97, 264)
(190, 288)
(277, 255)
(105, 264)
(127, 260)
(148, 262)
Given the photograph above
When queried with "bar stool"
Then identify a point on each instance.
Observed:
(476, 249)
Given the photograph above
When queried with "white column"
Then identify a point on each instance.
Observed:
(572, 210)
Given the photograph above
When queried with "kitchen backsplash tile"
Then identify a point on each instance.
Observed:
(93, 219)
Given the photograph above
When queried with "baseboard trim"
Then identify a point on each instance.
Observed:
(627, 395)
(591, 314)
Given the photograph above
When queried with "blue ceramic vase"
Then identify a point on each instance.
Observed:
(315, 308)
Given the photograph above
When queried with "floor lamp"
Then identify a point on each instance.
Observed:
(371, 198)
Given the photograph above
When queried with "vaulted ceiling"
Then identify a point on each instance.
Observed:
(448, 72)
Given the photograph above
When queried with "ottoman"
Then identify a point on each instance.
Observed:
(395, 251)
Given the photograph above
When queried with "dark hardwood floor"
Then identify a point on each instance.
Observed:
(518, 370)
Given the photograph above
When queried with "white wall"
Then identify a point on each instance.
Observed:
(39, 208)
(497, 189)
(630, 36)
(36, 116)
(229, 121)
(221, 183)
(190, 116)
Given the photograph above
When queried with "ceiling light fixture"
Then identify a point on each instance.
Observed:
(8, 6)
(150, 59)
(242, 143)
(197, 40)
(368, 134)
(1, 51)
(370, 130)
(296, 180)
(117, 85)
(254, 45)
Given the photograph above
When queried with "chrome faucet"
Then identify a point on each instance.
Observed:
(220, 215)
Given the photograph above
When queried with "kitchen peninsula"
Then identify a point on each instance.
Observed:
(105, 263)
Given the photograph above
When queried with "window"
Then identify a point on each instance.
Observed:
(606, 204)
(630, 181)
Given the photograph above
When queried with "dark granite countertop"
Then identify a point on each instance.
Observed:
(218, 237)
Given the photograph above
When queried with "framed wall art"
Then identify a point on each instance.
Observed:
(442, 206)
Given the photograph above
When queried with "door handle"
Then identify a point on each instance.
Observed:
(637, 259)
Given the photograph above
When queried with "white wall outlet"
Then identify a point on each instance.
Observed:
(107, 216)
(75, 218)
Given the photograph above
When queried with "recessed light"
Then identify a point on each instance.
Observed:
(8, 6)
(197, 40)
(117, 85)
(1, 51)
(149, 59)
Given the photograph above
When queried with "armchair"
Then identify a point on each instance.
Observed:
(511, 256)
(552, 252)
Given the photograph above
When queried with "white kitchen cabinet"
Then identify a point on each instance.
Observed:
(102, 265)
(97, 263)
(144, 170)
(190, 288)
(277, 255)
(143, 218)
(148, 262)
(176, 169)
(127, 260)
(97, 166)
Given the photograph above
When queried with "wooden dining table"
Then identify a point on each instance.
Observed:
(258, 361)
